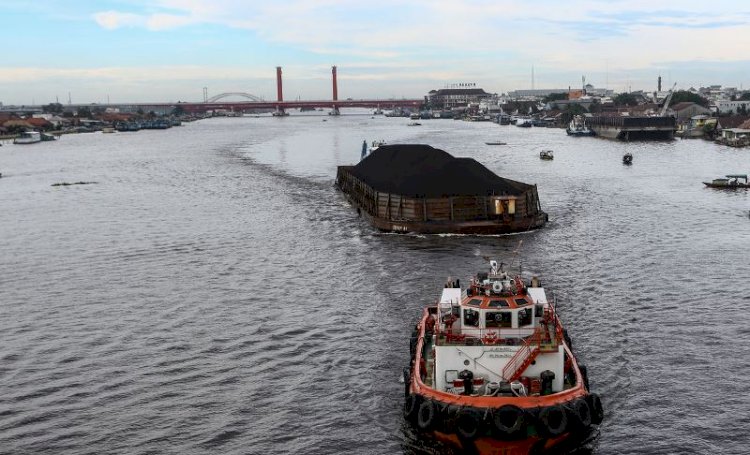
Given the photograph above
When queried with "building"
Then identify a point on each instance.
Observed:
(686, 110)
(732, 107)
(449, 98)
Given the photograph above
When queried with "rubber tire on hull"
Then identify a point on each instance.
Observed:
(597, 411)
(411, 407)
(579, 414)
(427, 415)
(585, 376)
(552, 421)
(407, 379)
(469, 423)
(508, 421)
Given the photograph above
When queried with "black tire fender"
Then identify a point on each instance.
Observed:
(427, 415)
(469, 423)
(411, 406)
(597, 411)
(552, 420)
(508, 421)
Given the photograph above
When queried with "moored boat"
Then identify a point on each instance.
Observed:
(577, 127)
(28, 137)
(546, 155)
(627, 158)
(732, 181)
(492, 370)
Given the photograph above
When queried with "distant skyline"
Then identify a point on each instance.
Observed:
(168, 50)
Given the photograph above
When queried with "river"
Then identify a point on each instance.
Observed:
(210, 292)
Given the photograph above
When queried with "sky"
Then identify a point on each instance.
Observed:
(99, 51)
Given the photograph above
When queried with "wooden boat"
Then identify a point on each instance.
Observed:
(496, 143)
(546, 155)
(416, 188)
(731, 182)
(627, 158)
(492, 370)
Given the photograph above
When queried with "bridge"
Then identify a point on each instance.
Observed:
(256, 103)
(250, 103)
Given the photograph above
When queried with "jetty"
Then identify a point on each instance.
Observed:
(418, 188)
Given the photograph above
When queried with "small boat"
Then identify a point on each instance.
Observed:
(731, 182)
(496, 143)
(47, 137)
(414, 124)
(108, 129)
(376, 144)
(627, 158)
(414, 116)
(524, 122)
(546, 155)
(493, 371)
(28, 137)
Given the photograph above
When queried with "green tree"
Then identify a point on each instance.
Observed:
(682, 96)
(178, 111)
(745, 96)
(53, 108)
(625, 99)
(571, 111)
(555, 97)
(84, 112)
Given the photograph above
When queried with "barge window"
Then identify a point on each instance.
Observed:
(498, 304)
(474, 302)
(471, 317)
(498, 319)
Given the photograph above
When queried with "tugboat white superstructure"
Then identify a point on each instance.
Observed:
(492, 370)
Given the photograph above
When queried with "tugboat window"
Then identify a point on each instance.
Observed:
(471, 317)
(524, 317)
(521, 302)
(498, 304)
(474, 302)
(498, 319)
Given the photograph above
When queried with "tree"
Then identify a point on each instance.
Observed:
(683, 96)
(52, 108)
(571, 111)
(745, 96)
(555, 97)
(84, 112)
(625, 99)
(178, 111)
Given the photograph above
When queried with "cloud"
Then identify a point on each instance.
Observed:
(111, 20)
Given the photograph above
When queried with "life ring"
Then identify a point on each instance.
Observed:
(552, 420)
(469, 423)
(579, 413)
(508, 421)
(411, 406)
(597, 411)
(427, 415)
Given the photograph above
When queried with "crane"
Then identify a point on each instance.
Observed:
(667, 100)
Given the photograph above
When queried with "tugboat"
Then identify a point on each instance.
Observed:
(492, 370)
(731, 182)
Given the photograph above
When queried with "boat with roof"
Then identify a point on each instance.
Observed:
(732, 181)
(577, 127)
(28, 137)
(493, 371)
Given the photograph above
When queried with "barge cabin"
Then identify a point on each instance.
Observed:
(417, 188)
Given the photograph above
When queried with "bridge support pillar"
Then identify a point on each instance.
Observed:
(334, 110)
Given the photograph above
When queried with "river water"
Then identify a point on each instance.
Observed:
(212, 293)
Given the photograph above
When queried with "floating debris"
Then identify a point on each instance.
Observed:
(74, 183)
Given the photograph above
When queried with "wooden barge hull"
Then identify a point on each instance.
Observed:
(474, 215)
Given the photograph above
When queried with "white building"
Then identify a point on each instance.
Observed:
(731, 107)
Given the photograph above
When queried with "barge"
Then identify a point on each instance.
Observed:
(492, 371)
(417, 188)
(633, 128)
